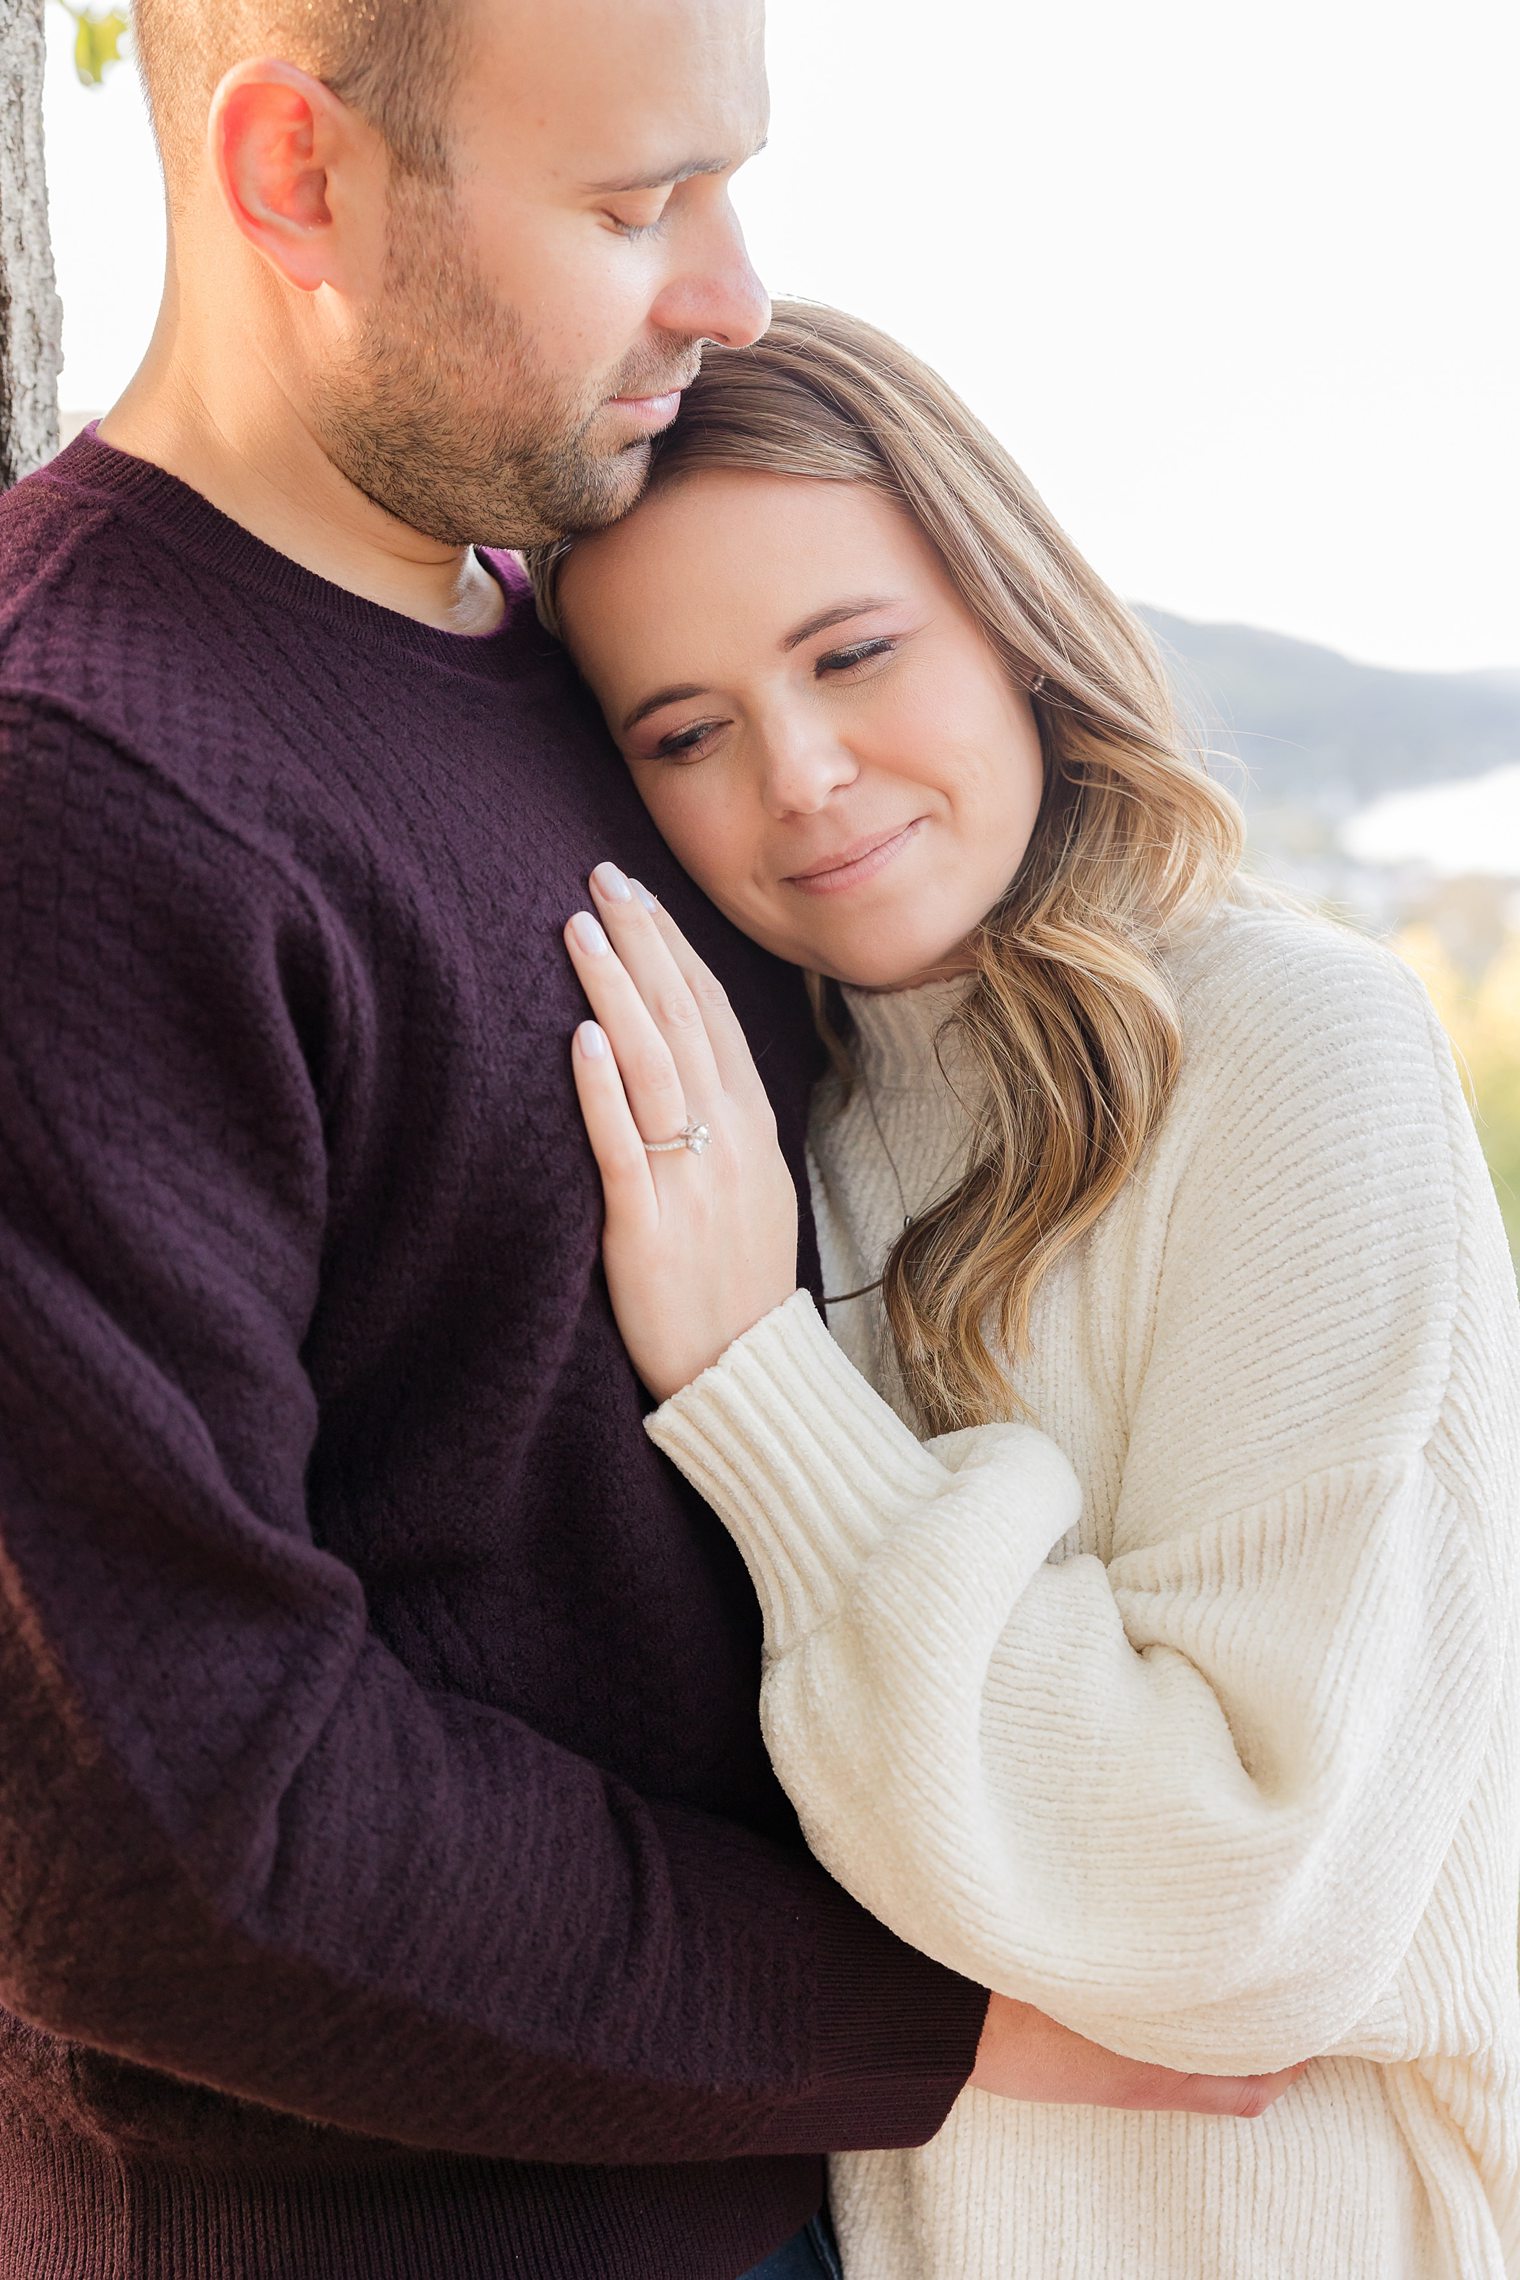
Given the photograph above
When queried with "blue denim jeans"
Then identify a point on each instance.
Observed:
(813, 2255)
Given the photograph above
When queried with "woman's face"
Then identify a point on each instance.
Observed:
(817, 724)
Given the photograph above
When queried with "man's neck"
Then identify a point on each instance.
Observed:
(256, 460)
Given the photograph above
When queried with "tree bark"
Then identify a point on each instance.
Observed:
(31, 319)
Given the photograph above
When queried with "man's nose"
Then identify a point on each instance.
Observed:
(717, 295)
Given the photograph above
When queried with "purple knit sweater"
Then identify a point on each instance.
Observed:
(392, 1883)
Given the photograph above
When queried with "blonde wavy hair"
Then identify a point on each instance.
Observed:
(1069, 1016)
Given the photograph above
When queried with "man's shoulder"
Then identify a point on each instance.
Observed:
(93, 606)
(128, 673)
(113, 752)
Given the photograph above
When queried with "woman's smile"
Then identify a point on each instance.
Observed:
(858, 864)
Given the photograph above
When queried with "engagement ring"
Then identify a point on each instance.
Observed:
(692, 1136)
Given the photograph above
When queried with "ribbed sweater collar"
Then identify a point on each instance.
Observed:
(149, 494)
(903, 1040)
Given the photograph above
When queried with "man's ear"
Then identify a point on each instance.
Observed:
(302, 176)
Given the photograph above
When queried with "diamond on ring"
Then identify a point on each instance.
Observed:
(692, 1136)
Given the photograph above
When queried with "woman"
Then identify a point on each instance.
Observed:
(1169, 1684)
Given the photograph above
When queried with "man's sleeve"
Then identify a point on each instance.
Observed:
(239, 1842)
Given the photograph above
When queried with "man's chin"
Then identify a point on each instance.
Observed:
(624, 474)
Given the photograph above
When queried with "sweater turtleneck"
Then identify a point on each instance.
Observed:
(907, 1041)
(886, 1150)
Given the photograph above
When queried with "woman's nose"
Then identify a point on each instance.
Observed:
(803, 769)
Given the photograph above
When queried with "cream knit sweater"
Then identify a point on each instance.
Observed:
(1197, 1722)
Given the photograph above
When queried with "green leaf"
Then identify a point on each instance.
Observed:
(97, 44)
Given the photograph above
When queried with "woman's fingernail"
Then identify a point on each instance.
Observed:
(592, 1041)
(650, 902)
(609, 881)
(588, 934)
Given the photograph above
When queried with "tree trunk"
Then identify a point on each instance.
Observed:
(31, 320)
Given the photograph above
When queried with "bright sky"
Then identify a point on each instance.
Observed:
(1236, 283)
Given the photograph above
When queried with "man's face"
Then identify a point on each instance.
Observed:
(543, 308)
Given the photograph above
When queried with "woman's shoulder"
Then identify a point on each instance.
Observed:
(1318, 1158)
(1313, 1062)
(1279, 956)
(1266, 986)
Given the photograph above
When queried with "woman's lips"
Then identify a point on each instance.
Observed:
(861, 862)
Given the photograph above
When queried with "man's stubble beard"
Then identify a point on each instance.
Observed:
(443, 414)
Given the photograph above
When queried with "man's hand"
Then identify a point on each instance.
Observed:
(1023, 2054)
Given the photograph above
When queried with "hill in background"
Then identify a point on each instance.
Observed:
(1316, 731)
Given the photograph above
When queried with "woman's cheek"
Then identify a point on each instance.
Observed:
(691, 819)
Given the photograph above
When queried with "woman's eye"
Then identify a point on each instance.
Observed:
(839, 662)
(687, 743)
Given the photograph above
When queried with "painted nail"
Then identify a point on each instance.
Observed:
(642, 894)
(588, 934)
(609, 881)
(592, 1041)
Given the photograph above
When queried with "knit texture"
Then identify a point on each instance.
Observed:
(392, 1881)
(1187, 1711)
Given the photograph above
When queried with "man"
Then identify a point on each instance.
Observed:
(394, 1884)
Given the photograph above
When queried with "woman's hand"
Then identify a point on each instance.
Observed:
(1025, 2054)
(698, 1246)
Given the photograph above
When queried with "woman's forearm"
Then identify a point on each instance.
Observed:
(1191, 1802)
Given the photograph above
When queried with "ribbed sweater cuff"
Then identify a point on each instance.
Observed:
(806, 1466)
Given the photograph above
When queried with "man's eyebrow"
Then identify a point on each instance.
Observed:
(658, 702)
(838, 615)
(666, 178)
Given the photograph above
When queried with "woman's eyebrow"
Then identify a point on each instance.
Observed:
(838, 615)
(660, 699)
(682, 692)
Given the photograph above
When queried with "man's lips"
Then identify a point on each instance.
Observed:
(655, 411)
(658, 405)
(851, 866)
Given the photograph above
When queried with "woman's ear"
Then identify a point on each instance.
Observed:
(302, 175)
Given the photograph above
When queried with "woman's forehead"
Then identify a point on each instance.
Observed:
(742, 552)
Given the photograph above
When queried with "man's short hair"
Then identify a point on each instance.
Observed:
(393, 60)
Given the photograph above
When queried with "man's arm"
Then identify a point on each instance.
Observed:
(240, 1841)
